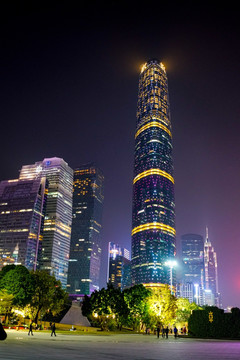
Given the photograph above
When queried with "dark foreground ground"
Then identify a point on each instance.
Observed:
(41, 346)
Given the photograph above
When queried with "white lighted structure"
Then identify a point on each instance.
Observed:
(171, 264)
(211, 272)
(58, 214)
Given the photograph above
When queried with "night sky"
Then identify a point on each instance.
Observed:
(69, 83)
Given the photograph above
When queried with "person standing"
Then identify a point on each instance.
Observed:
(175, 330)
(30, 329)
(3, 334)
(158, 331)
(166, 332)
(53, 329)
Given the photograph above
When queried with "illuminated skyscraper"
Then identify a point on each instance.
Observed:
(153, 217)
(211, 271)
(85, 251)
(58, 216)
(22, 208)
(192, 267)
(118, 266)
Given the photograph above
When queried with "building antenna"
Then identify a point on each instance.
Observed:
(206, 234)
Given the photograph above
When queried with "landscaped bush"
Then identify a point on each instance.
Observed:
(214, 323)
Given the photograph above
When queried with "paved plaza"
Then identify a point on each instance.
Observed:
(41, 346)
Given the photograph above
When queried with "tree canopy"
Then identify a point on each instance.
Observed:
(34, 293)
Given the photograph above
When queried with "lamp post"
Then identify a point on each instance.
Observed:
(171, 264)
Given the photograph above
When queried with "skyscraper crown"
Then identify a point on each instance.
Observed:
(153, 61)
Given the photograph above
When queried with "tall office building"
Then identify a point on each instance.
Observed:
(192, 267)
(22, 209)
(58, 216)
(211, 273)
(118, 266)
(85, 252)
(153, 215)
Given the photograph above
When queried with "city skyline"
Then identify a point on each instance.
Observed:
(69, 89)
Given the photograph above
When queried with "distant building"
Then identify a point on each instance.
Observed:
(192, 255)
(199, 278)
(211, 273)
(153, 214)
(185, 290)
(85, 251)
(22, 209)
(118, 266)
(58, 216)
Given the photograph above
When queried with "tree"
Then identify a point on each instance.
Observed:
(184, 310)
(6, 301)
(48, 295)
(105, 308)
(136, 300)
(162, 306)
(17, 280)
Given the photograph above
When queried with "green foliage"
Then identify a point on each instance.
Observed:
(216, 325)
(184, 310)
(6, 301)
(16, 280)
(110, 308)
(48, 295)
(162, 306)
(138, 308)
(35, 293)
(105, 308)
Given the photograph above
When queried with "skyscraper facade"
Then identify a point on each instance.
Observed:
(193, 258)
(58, 216)
(153, 215)
(85, 251)
(193, 267)
(118, 265)
(211, 272)
(22, 209)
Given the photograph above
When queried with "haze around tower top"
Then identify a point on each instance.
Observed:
(69, 87)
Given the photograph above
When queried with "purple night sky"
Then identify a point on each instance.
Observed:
(69, 87)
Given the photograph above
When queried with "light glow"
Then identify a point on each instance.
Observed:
(154, 226)
(153, 124)
(153, 172)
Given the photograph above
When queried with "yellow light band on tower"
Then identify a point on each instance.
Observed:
(154, 226)
(153, 172)
(153, 124)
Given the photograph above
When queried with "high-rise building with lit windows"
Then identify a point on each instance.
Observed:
(211, 272)
(153, 216)
(58, 215)
(85, 251)
(22, 210)
(118, 266)
(192, 268)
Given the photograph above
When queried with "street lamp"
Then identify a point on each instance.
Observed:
(171, 264)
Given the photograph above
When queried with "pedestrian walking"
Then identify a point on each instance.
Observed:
(53, 327)
(175, 330)
(158, 331)
(30, 329)
(166, 332)
(163, 332)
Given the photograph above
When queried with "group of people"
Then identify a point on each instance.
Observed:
(52, 325)
(166, 330)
